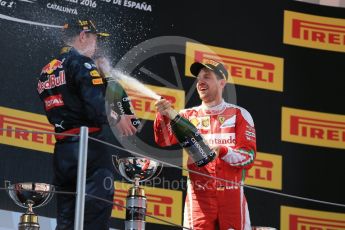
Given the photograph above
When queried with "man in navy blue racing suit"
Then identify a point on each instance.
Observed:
(73, 92)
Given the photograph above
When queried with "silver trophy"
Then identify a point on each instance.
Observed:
(30, 195)
(136, 169)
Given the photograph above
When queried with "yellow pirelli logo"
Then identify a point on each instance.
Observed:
(144, 106)
(20, 121)
(313, 128)
(266, 171)
(314, 31)
(248, 69)
(305, 219)
(161, 203)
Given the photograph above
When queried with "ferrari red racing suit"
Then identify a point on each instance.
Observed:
(212, 203)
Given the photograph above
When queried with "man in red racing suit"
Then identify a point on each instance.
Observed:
(229, 129)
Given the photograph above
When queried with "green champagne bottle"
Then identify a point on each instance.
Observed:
(120, 103)
(190, 139)
(116, 96)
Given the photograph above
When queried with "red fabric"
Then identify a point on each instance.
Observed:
(223, 150)
(75, 131)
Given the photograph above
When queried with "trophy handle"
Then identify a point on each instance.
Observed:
(50, 196)
(12, 190)
(158, 170)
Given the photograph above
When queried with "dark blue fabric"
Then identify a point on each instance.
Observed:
(99, 182)
(83, 101)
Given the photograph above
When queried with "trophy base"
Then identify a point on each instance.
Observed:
(135, 209)
(28, 221)
(136, 191)
(134, 225)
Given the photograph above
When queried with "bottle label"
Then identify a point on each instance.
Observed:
(190, 139)
(198, 150)
(198, 146)
(135, 122)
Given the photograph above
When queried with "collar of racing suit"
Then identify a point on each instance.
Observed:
(70, 49)
(214, 109)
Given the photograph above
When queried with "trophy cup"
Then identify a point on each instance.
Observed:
(30, 195)
(136, 169)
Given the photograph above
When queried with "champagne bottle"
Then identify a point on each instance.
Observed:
(190, 139)
(120, 102)
(116, 96)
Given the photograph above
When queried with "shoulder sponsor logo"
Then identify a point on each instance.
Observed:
(144, 106)
(248, 69)
(266, 171)
(314, 31)
(313, 128)
(250, 133)
(305, 219)
(18, 120)
(162, 203)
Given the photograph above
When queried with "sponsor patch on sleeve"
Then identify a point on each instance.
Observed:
(97, 81)
(250, 133)
(94, 73)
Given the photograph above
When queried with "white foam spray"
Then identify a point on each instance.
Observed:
(125, 80)
(134, 84)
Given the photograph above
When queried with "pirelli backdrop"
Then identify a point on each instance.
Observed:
(286, 59)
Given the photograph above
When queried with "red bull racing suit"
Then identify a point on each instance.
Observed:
(210, 203)
(73, 93)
